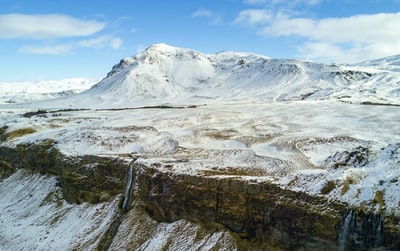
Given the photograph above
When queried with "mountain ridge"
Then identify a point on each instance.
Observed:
(164, 74)
(167, 74)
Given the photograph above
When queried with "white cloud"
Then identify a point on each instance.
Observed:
(276, 2)
(64, 49)
(202, 13)
(46, 26)
(97, 42)
(116, 43)
(321, 51)
(311, 2)
(254, 16)
(49, 50)
(354, 29)
(261, 2)
(215, 18)
(329, 52)
(101, 42)
(346, 39)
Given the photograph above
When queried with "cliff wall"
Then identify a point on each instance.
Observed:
(259, 215)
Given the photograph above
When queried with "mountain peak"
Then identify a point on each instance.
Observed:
(161, 47)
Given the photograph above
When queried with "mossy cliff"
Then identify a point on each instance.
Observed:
(82, 178)
(259, 214)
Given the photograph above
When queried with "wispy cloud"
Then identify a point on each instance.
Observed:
(105, 41)
(59, 33)
(47, 49)
(202, 13)
(254, 16)
(101, 42)
(276, 2)
(46, 26)
(116, 43)
(344, 39)
(205, 13)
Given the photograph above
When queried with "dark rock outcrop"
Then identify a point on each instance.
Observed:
(262, 215)
(82, 178)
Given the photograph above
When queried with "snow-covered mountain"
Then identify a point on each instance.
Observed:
(166, 74)
(26, 91)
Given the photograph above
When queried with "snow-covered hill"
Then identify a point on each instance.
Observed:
(391, 63)
(18, 92)
(166, 74)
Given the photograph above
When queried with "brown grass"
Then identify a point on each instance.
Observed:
(19, 133)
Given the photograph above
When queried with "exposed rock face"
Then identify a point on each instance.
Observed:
(262, 215)
(239, 213)
(82, 178)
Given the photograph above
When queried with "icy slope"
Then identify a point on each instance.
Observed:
(166, 74)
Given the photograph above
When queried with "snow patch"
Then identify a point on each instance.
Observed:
(34, 216)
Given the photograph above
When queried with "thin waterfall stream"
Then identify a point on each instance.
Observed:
(128, 188)
(345, 231)
(109, 235)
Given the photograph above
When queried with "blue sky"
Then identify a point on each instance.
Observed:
(48, 39)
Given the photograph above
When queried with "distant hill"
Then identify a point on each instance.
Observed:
(27, 91)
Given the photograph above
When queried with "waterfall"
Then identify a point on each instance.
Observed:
(109, 235)
(343, 236)
(378, 225)
(364, 231)
(128, 188)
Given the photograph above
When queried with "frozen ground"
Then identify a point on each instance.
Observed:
(302, 145)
